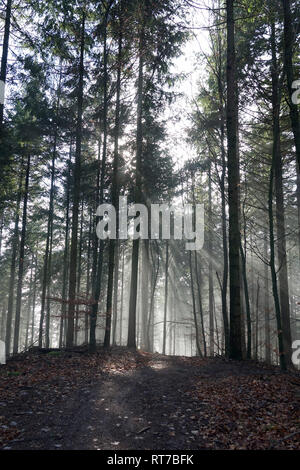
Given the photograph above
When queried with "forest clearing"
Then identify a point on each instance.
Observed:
(122, 400)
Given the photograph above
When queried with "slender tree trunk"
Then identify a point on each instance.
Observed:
(194, 306)
(3, 71)
(79, 273)
(29, 303)
(233, 189)
(166, 297)
(224, 284)
(145, 289)
(289, 44)
(63, 318)
(131, 341)
(280, 218)
(15, 242)
(122, 297)
(273, 268)
(115, 198)
(116, 291)
(267, 305)
(282, 356)
(48, 252)
(198, 279)
(257, 322)
(210, 271)
(97, 277)
(48, 307)
(298, 207)
(1, 232)
(34, 296)
(88, 276)
(21, 261)
(76, 196)
(150, 325)
(247, 301)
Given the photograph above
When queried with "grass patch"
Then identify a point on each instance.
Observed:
(14, 373)
(54, 353)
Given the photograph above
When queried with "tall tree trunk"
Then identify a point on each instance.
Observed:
(115, 197)
(21, 261)
(166, 297)
(98, 266)
(76, 196)
(289, 42)
(145, 290)
(233, 189)
(48, 307)
(273, 268)
(88, 277)
(3, 71)
(48, 252)
(224, 285)
(150, 325)
(34, 297)
(280, 218)
(210, 271)
(199, 281)
(131, 341)
(79, 274)
(1, 232)
(247, 303)
(194, 306)
(122, 297)
(257, 322)
(63, 319)
(116, 292)
(276, 147)
(298, 207)
(267, 305)
(29, 303)
(15, 242)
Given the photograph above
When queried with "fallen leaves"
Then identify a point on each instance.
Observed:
(38, 380)
(243, 412)
(205, 404)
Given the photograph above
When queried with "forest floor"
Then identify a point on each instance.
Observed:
(125, 400)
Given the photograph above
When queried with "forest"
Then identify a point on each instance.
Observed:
(156, 105)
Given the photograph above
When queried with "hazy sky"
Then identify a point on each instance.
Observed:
(189, 64)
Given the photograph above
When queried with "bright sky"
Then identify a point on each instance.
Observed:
(188, 63)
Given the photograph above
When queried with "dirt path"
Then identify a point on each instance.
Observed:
(155, 406)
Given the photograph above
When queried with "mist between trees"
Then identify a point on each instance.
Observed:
(88, 87)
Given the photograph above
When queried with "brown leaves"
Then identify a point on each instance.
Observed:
(34, 382)
(243, 412)
(207, 404)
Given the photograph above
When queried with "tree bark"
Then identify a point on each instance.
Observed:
(210, 271)
(166, 297)
(115, 197)
(280, 217)
(21, 261)
(131, 341)
(15, 242)
(194, 306)
(198, 280)
(233, 189)
(289, 41)
(76, 196)
(99, 263)
(267, 305)
(3, 71)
